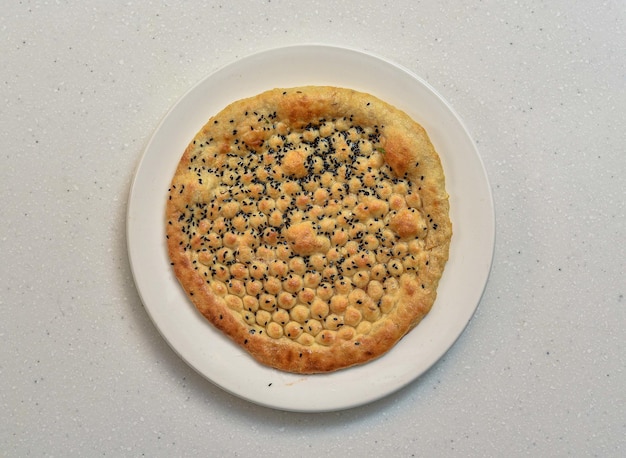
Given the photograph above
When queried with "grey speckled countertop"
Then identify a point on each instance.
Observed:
(539, 371)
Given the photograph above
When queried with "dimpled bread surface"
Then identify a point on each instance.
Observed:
(310, 225)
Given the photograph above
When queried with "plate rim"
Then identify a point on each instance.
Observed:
(320, 47)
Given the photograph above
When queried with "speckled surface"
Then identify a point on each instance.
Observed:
(539, 371)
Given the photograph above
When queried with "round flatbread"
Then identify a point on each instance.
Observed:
(310, 225)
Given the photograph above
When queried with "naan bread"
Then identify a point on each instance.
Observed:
(310, 225)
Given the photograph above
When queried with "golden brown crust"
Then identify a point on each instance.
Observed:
(310, 225)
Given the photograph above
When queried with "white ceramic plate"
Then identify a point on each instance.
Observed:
(460, 289)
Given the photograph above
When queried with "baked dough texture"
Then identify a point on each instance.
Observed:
(310, 225)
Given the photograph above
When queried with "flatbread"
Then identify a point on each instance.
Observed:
(310, 225)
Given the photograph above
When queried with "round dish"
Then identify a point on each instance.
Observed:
(212, 354)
